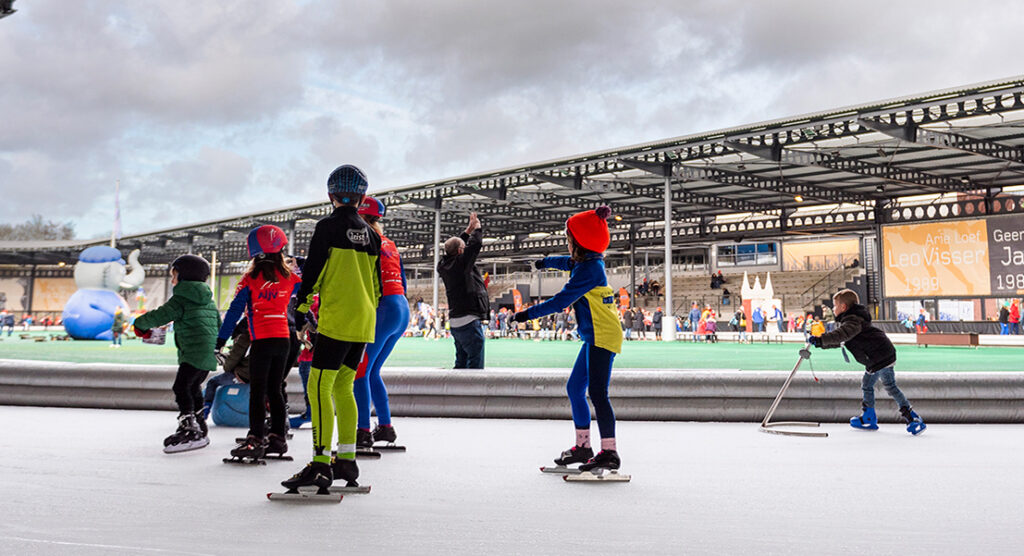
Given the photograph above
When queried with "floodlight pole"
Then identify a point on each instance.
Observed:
(668, 328)
(437, 253)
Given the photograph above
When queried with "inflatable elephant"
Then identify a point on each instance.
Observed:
(99, 274)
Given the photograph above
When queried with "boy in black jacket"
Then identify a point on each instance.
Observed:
(872, 348)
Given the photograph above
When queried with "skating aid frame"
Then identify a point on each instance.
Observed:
(767, 425)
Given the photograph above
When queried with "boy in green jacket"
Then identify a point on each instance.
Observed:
(196, 324)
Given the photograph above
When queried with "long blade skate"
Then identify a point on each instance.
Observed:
(598, 475)
(360, 489)
(279, 457)
(299, 496)
(389, 448)
(364, 453)
(560, 470)
(244, 461)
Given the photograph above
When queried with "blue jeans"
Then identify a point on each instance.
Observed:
(304, 367)
(1014, 328)
(1004, 328)
(888, 378)
(469, 346)
(213, 384)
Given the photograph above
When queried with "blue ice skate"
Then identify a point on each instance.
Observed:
(867, 421)
(915, 425)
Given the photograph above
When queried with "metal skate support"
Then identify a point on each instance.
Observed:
(767, 425)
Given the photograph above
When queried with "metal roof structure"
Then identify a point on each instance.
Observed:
(848, 169)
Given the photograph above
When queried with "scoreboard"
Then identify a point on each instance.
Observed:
(955, 258)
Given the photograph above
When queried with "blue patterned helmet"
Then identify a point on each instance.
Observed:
(347, 179)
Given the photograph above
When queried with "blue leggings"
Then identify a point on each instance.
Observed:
(592, 373)
(392, 320)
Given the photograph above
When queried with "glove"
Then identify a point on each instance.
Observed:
(142, 333)
(308, 330)
(220, 343)
(520, 317)
(221, 358)
(814, 341)
(539, 265)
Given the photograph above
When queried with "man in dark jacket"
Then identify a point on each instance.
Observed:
(656, 321)
(871, 348)
(468, 304)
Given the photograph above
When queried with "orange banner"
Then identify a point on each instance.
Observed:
(937, 259)
(517, 299)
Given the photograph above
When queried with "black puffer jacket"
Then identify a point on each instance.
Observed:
(869, 345)
(463, 283)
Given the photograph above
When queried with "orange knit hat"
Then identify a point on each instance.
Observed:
(590, 228)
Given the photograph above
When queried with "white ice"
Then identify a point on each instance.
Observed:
(78, 481)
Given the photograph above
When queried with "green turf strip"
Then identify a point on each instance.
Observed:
(418, 352)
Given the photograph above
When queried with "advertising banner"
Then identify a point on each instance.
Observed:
(963, 258)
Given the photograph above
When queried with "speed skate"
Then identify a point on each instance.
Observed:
(307, 496)
(560, 470)
(599, 474)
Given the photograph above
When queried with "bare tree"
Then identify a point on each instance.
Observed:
(35, 228)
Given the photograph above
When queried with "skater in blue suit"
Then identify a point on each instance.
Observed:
(594, 302)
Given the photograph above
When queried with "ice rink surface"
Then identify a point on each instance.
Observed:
(77, 481)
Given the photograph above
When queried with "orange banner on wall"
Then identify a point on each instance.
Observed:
(936, 259)
(517, 300)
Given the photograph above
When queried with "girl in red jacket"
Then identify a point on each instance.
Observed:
(264, 293)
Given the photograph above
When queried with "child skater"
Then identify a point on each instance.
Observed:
(872, 348)
(343, 266)
(264, 293)
(196, 321)
(594, 302)
(392, 320)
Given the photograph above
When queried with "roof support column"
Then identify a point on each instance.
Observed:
(289, 231)
(668, 325)
(437, 254)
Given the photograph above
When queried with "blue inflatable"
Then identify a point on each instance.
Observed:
(100, 274)
(231, 406)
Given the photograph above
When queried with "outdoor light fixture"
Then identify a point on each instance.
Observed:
(880, 188)
(618, 218)
(799, 198)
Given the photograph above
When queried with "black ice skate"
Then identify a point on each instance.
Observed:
(572, 456)
(345, 470)
(276, 448)
(201, 421)
(605, 459)
(187, 437)
(387, 434)
(364, 438)
(602, 467)
(315, 474)
(249, 451)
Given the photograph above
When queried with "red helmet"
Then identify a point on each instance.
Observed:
(266, 239)
(372, 207)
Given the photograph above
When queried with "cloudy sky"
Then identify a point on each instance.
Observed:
(215, 108)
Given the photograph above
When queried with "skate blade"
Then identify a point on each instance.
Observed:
(367, 454)
(179, 448)
(362, 489)
(303, 497)
(560, 470)
(389, 448)
(607, 477)
(244, 461)
(279, 457)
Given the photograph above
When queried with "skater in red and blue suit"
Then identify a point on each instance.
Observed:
(264, 293)
(598, 325)
(392, 320)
